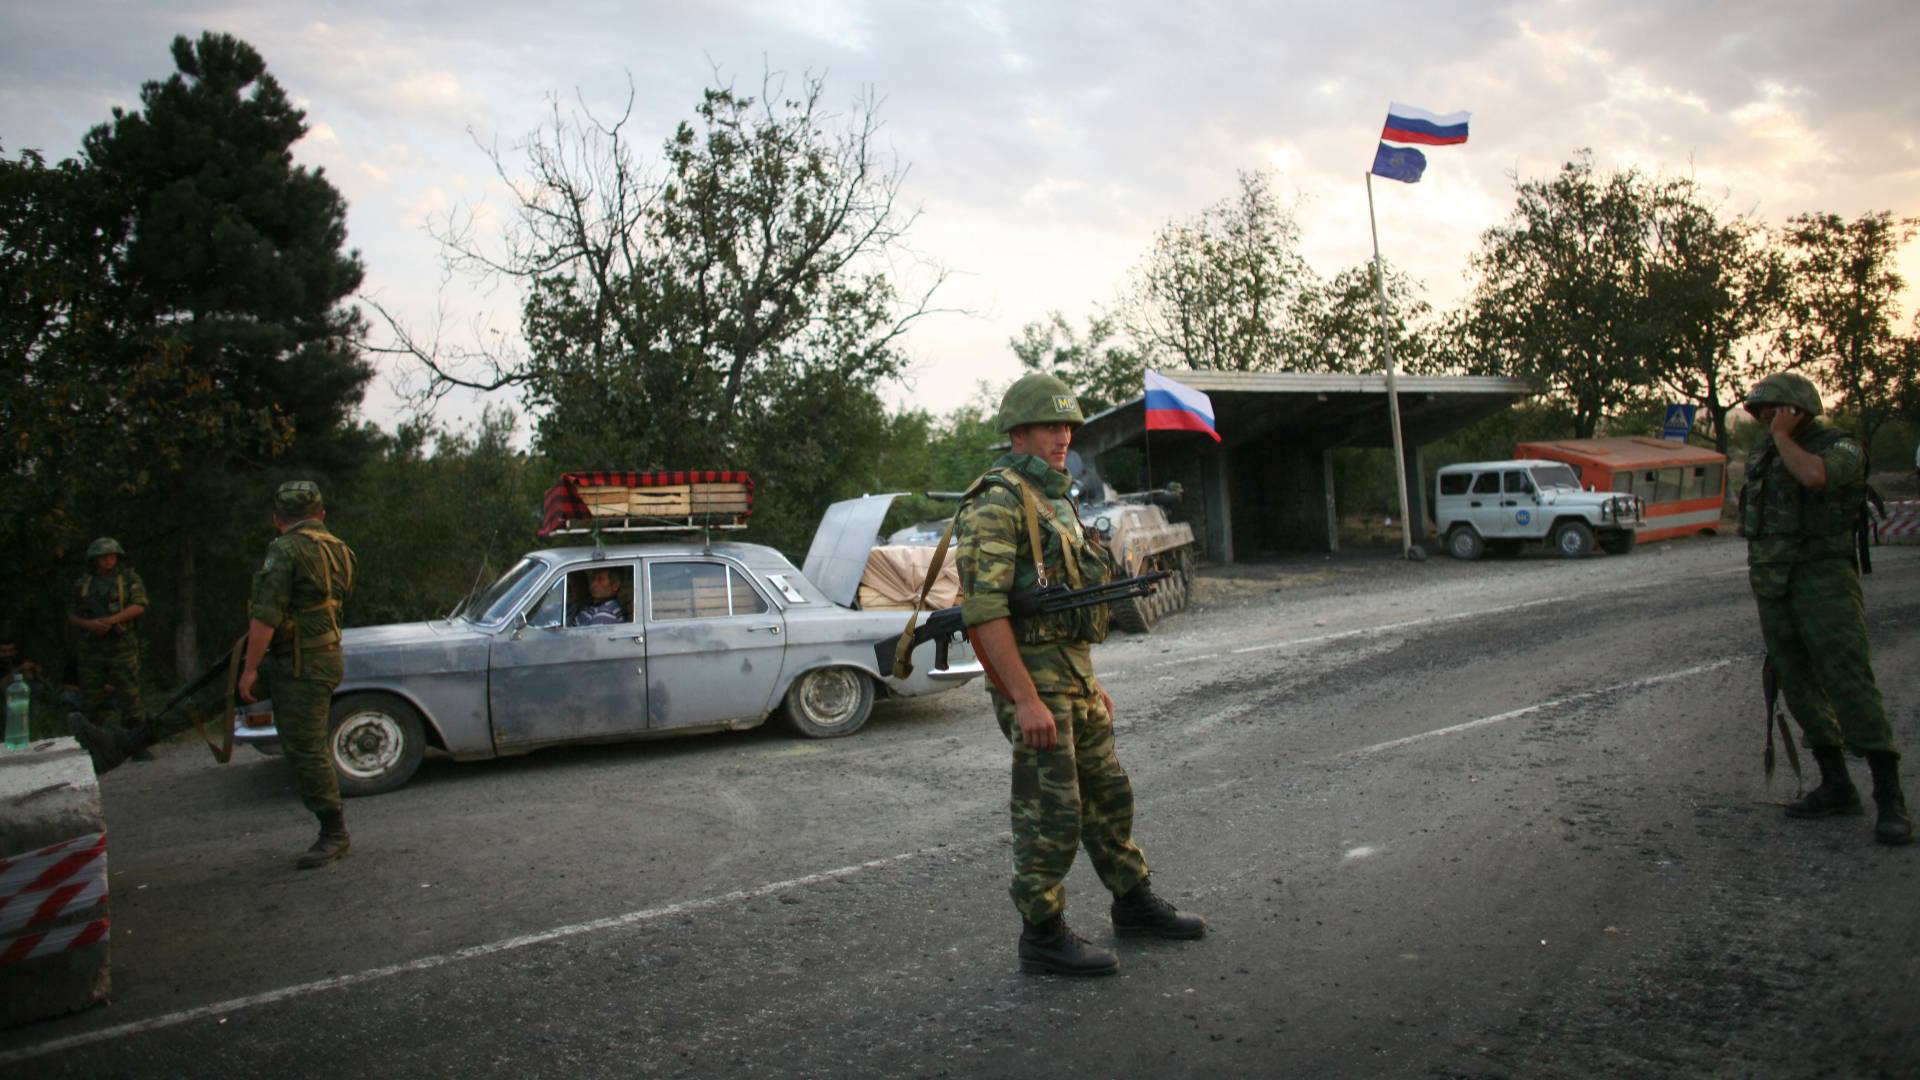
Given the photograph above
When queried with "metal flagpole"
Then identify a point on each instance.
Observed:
(1393, 396)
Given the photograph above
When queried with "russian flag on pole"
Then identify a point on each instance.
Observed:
(1412, 124)
(1173, 407)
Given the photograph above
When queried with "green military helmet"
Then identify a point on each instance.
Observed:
(1784, 388)
(106, 545)
(297, 498)
(1039, 399)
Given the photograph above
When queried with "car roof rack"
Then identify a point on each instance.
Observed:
(657, 501)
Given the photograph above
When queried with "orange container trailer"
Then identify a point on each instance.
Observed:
(1684, 487)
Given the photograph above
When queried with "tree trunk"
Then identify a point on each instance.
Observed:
(186, 643)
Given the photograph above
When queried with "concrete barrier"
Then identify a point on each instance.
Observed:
(53, 883)
(1900, 526)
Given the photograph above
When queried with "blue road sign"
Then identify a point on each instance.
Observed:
(1679, 422)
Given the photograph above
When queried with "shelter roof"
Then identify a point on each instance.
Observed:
(1315, 409)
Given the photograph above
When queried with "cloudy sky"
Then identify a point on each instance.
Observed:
(1046, 142)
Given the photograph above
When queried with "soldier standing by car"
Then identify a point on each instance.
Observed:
(294, 627)
(104, 602)
(1018, 529)
(1799, 510)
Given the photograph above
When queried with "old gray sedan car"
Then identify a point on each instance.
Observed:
(599, 644)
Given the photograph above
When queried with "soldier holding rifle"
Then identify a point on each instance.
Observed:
(1018, 530)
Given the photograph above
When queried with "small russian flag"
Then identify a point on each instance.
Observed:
(1173, 407)
(1412, 124)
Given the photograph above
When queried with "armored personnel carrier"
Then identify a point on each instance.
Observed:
(1142, 540)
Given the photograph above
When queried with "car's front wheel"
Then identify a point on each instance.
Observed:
(830, 702)
(1464, 543)
(376, 742)
(1573, 539)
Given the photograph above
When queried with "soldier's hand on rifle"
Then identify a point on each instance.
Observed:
(96, 626)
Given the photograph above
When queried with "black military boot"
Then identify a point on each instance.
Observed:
(1836, 793)
(1893, 825)
(1141, 914)
(1051, 948)
(332, 843)
(109, 747)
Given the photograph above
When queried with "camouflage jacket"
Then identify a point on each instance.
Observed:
(298, 590)
(1783, 521)
(993, 552)
(96, 596)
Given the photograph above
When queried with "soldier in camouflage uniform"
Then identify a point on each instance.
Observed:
(1799, 510)
(103, 604)
(1018, 529)
(294, 627)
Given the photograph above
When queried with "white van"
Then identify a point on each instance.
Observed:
(1498, 505)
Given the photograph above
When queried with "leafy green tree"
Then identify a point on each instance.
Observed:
(228, 282)
(1844, 300)
(470, 491)
(1227, 290)
(1346, 323)
(1101, 370)
(714, 309)
(1561, 296)
(1714, 292)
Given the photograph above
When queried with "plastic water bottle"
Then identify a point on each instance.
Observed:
(17, 712)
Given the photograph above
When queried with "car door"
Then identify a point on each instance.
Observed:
(1518, 506)
(1483, 506)
(715, 643)
(555, 680)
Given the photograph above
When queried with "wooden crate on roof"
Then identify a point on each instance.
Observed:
(605, 501)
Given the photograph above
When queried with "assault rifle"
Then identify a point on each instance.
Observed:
(110, 746)
(943, 626)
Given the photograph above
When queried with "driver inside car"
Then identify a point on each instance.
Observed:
(602, 607)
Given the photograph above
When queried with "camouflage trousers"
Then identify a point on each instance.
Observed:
(301, 709)
(1075, 795)
(1815, 625)
(110, 679)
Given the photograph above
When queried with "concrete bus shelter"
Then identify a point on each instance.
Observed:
(1267, 486)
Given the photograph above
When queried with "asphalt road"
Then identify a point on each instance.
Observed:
(1504, 819)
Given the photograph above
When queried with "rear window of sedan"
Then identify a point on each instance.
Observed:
(700, 590)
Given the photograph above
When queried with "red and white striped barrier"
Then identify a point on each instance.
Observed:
(1900, 526)
(53, 899)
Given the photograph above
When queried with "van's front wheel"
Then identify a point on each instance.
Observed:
(1573, 539)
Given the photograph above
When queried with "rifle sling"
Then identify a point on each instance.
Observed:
(223, 750)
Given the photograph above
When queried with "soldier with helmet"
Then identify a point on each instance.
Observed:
(1799, 510)
(293, 651)
(1018, 529)
(103, 604)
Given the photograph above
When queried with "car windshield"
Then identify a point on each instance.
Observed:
(501, 598)
(1553, 476)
